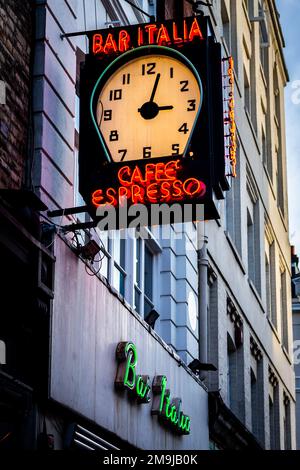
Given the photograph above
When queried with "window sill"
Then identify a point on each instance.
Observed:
(285, 352)
(252, 129)
(282, 217)
(273, 327)
(270, 180)
(257, 295)
(263, 76)
(235, 252)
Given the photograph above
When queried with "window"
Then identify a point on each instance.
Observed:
(274, 417)
(279, 177)
(266, 154)
(257, 391)
(264, 147)
(235, 383)
(253, 248)
(143, 278)
(226, 26)
(254, 403)
(287, 423)
(119, 273)
(264, 52)
(276, 96)
(270, 271)
(263, 40)
(284, 314)
(233, 207)
(247, 94)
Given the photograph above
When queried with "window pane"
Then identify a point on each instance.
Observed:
(119, 281)
(137, 297)
(148, 273)
(137, 271)
(104, 266)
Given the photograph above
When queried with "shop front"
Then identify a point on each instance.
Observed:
(111, 368)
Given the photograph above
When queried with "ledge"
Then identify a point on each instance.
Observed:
(274, 330)
(235, 252)
(285, 352)
(257, 295)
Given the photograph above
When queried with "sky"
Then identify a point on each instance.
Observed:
(290, 22)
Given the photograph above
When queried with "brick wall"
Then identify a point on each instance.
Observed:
(15, 51)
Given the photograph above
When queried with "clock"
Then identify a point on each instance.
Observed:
(145, 105)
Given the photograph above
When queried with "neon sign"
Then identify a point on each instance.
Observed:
(121, 40)
(168, 410)
(229, 116)
(157, 183)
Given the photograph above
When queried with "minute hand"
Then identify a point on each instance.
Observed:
(154, 88)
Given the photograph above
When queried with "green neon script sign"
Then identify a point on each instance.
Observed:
(168, 410)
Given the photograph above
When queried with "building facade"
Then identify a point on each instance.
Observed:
(296, 332)
(221, 289)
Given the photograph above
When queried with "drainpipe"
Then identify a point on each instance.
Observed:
(202, 263)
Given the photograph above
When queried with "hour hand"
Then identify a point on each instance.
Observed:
(150, 110)
(163, 108)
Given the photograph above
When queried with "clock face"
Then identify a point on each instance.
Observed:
(147, 108)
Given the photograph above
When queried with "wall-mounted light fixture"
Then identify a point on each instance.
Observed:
(151, 318)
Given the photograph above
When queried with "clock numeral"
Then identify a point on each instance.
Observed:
(149, 69)
(184, 84)
(126, 79)
(107, 115)
(123, 152)
(175, 149)
(192, 105)
(147, 152)
(114, 136)
(115, 95)
(183, 128)
(171, 72)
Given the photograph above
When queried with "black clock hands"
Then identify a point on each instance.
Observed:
(154, 88)
(150, 109)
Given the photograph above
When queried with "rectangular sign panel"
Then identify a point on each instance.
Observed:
(151, 117)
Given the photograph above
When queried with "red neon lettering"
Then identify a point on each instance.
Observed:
(152, 192)
(97, 43)
(195, 30)
(175, 33)
(140, 37)
(150, 173)
(110, 193)
(150, 29)
(123, 193)
(110, 45)
(137, 194)
(177, 185)
(165, 191)
(137, 176)
(191, 186)
(185, 31)
(97, 197)
(171, 169)
(160, 174)
(122, 172)
(163, 36)
(124, 41)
